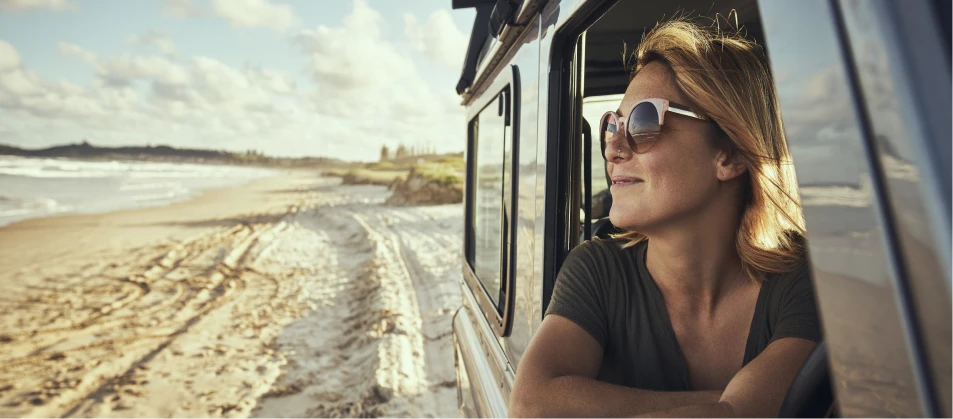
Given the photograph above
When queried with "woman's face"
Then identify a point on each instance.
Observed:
(677, 177)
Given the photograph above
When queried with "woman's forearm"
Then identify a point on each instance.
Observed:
(575, 396)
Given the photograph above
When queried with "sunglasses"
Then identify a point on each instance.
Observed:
(643, 125)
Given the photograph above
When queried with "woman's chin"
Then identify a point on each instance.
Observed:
(623, 221)
(629, 217)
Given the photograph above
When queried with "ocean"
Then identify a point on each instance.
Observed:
(37, 187)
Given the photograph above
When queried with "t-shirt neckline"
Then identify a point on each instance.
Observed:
(665, 323)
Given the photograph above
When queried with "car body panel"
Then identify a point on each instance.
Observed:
(898, 75)
(483, 377)
(859, 278)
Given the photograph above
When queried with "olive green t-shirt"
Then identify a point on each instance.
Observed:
(607, 291)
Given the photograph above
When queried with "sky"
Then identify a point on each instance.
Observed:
(289, 78)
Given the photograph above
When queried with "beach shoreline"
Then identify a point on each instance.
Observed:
(291, 295)
(35, 188)
(27, 241)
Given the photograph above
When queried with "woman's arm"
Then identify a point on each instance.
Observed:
(556, 378)
(759, 388)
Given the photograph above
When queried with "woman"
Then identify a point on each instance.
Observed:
(704, 307)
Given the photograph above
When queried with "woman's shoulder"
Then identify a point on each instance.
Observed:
(795, 284)
(592, 284)
(799, 274)
(600, 260)
(792, 305)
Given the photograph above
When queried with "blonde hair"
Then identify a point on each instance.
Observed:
(728, 78)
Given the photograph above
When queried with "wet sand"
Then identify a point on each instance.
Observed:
(290, 296)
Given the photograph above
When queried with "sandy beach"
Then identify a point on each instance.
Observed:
(291, 296)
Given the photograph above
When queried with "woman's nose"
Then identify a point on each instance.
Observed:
(617, 148)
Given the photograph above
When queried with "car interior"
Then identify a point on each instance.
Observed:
(616, 33)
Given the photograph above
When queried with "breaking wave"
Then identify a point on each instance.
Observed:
(35, 187)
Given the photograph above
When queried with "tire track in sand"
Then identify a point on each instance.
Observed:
(75, 366)
(392, 281)
(334, 308)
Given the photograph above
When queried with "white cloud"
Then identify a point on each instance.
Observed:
(239, 13)
(256, 14)
(275, 81)
(124, 69)
(355, 65)
(77, 51)
(9, 57)
(181, 9)
(365, 82)
(200, 102)
(438, 38)
(363, 91)
(154, 38)
(21, 83)
(203, 81)
(26, 93)
(55, 5)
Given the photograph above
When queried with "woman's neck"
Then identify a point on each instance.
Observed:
(696, 262)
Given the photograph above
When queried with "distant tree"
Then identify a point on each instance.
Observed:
(385, 153)
(401, 152)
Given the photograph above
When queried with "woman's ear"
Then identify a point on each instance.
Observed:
(729, 164)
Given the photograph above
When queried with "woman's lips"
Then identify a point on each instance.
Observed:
(624, 181)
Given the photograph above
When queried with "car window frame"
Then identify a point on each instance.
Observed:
(505, 88)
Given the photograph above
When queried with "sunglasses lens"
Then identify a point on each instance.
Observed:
(643, 126)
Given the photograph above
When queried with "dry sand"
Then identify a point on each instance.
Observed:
(291, 296)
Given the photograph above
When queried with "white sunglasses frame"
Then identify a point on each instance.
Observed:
(661, 106)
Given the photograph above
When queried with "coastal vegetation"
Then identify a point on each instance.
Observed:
(414, 179)
(163, 153)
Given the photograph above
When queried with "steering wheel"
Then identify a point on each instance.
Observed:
(810, 394)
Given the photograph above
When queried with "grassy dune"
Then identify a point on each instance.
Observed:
(446, 170)
(368, 176)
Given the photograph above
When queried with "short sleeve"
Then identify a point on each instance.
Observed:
(579, 294)
(797, 309)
